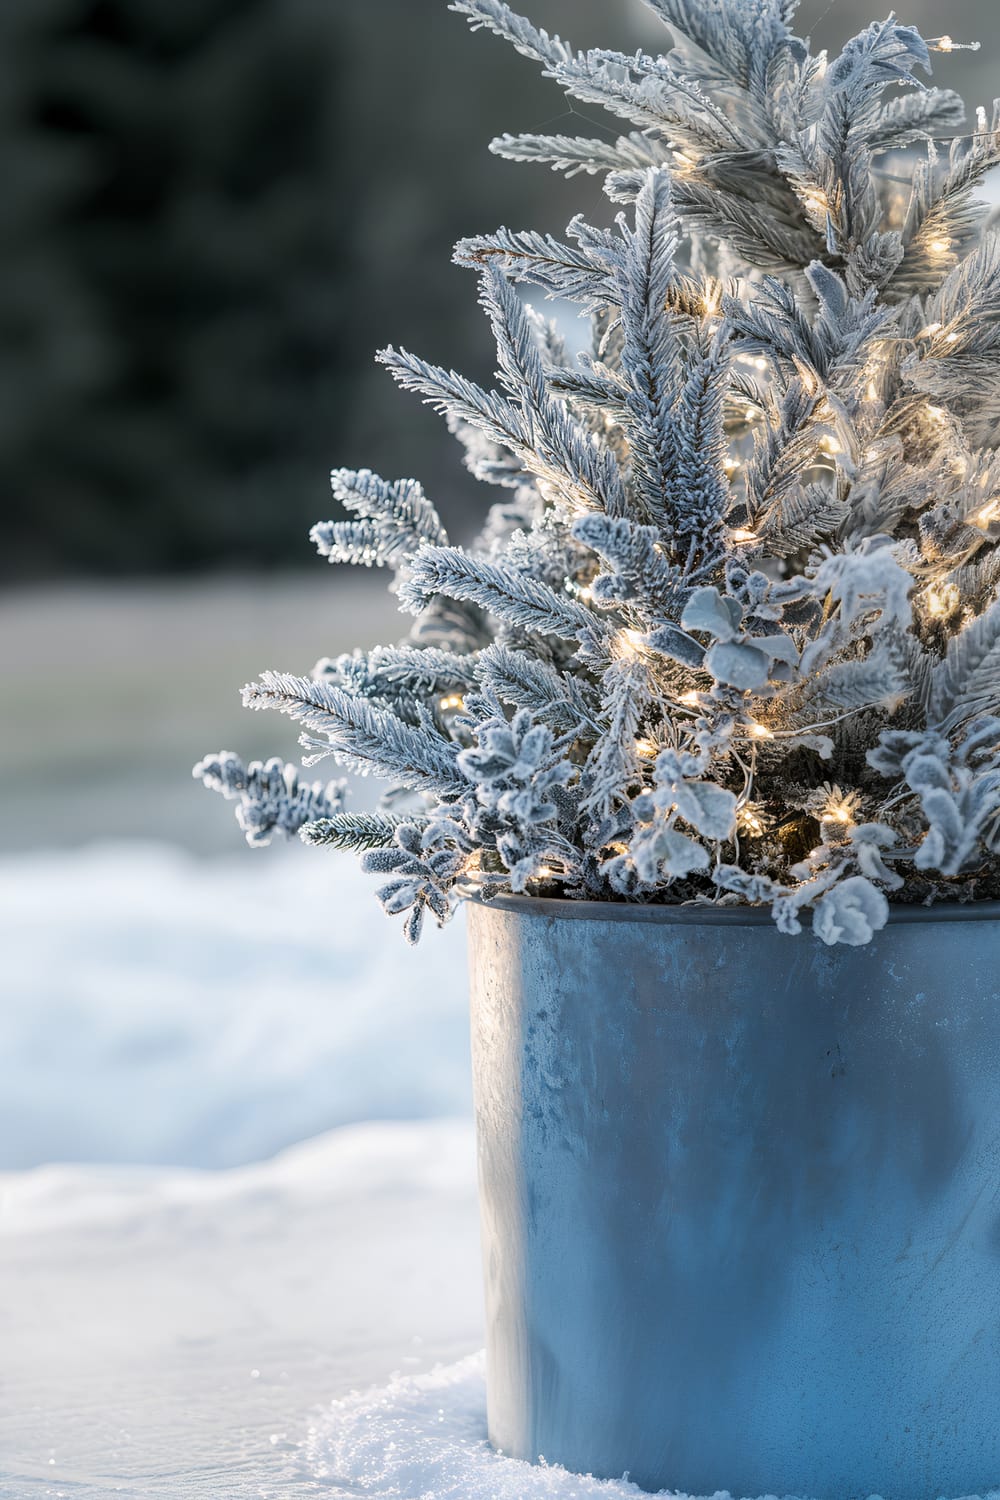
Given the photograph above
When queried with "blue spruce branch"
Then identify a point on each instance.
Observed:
(269, 795)
(361, 736)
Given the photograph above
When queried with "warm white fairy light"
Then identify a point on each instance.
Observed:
(645, 748)
(749, 820)
(837, 812)
(690, 699)
(452, 700)
(948, 44)
(760, 731)
(829, 444)
(630, 642)
(939, 247)
(941, 600)
(742, 534)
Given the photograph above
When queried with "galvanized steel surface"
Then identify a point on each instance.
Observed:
(741, 1198)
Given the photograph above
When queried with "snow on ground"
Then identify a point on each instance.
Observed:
(167, 1329)
(155, 1007)
(423, 1437)
(171, 1332)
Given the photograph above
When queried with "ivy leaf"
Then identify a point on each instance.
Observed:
(667, 852)
(714, 613)
(709, 808)
(739, 664)
(851, 913)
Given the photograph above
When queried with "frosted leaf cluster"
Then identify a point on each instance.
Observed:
(731, 632)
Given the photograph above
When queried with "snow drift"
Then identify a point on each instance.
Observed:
(163, 1009)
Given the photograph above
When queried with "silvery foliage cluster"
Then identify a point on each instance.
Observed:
(732, 631)
(269, 795)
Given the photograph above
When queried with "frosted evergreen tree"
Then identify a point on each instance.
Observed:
(732, 630)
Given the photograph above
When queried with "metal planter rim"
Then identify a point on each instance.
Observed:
(707, 915)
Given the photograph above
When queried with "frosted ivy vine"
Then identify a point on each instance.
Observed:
(732, 631)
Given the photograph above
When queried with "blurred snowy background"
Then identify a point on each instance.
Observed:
(236, 1164)
(181, 1282)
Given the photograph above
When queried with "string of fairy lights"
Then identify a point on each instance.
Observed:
(941, 600)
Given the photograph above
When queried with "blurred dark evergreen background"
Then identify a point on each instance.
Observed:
(216, 210)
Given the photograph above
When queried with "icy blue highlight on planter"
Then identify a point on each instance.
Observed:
(741, 1197)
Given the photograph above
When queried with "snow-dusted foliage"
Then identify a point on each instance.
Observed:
(732, 632)
(269, 794)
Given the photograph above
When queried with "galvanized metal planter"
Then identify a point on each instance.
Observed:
(741, 1197)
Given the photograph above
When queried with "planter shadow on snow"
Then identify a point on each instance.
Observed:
(741, 1197)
